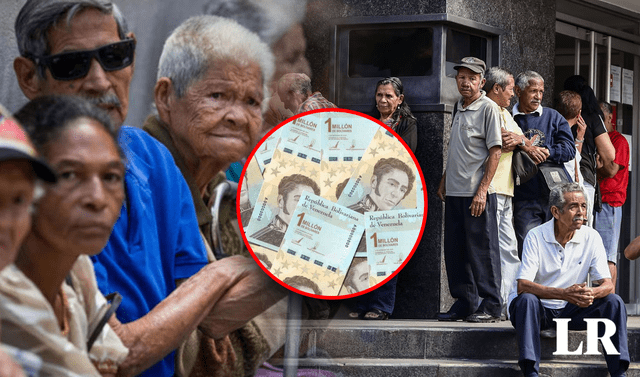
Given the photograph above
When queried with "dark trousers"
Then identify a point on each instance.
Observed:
(472, 256)
(528, 214)
(528, 317)
(383, 298)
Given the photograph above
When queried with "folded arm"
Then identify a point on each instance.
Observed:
(153, 336)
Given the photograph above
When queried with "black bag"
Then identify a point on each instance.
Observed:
(523, 167)
(554, 174)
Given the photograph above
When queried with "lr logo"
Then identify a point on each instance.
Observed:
(562, 340)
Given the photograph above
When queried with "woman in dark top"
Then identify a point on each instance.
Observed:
(392, 110)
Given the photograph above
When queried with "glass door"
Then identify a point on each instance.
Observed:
(608, 63)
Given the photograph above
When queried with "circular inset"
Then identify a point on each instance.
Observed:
(332, 203)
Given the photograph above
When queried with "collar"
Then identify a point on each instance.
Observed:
(475, 105)
(549, 236)
(516, 110)
(160, 131)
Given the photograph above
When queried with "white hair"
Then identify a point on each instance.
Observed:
(201, 41)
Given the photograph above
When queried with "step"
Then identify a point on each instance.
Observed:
(430, 339)
(451, 368)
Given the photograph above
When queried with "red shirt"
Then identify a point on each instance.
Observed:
(614, 190)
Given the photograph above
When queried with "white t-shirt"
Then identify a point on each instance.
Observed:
(546, 262)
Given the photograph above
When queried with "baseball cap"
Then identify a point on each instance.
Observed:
(15, 145)
(474, 64)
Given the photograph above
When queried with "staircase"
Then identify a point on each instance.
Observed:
(406, 348)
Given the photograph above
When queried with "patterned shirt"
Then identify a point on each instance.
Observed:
(314, 102)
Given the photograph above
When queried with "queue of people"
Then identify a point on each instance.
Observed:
(522, 247)
(123, 242)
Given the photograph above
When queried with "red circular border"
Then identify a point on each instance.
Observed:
(370, 289)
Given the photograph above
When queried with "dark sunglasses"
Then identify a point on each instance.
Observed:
(76, 64)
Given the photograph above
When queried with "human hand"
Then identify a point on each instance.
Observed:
(442, 189)
(254, 293)
(510, 140)
(478, 203)
(579, 294)
(582, 128)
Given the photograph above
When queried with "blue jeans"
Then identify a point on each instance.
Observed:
(607, 223)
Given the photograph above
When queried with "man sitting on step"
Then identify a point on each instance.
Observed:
(551, 282)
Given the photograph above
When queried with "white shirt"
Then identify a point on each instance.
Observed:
(546, 262)
(516, 110)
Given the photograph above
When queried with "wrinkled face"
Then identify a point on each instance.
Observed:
(386, 100)
(390, 190)
(77, 213)
(89, 30)
(288, 203)
(289, 52)
(531, 97)
(16, 196)
(469, 83)
(359, 277)
(219, 117)
(503, 97)
(575, 211)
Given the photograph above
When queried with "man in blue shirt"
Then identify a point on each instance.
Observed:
(551, 141)
(83, 47)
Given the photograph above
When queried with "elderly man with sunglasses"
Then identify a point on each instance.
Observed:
(83, 48)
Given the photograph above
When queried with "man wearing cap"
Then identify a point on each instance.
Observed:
(471, 249)
(19, 168)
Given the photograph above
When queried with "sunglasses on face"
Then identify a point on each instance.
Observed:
(76, 64)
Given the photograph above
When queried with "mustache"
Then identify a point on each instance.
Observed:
(584, 219)
(109, 99)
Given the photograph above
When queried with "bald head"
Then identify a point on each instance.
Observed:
(294, 89)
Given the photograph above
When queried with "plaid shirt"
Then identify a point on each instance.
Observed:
(314, 102)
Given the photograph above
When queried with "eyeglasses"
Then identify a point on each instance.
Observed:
(76, 64)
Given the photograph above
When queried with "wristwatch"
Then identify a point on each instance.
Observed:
(523, 144)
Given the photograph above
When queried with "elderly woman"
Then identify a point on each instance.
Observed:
(49, 300)
(212, 81)
(19, 170)
(392, 110)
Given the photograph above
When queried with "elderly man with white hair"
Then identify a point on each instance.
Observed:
(213, 77)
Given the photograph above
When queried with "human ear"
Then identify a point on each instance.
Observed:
(281, 202)
(27, 74)
(163, 96)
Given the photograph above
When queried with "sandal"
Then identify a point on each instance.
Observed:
(376, 314)
(355, 315)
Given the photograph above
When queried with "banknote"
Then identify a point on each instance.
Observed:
(346, 136)
(319, 244)
(264, 154)
(250, 190)
(286, 178)
(386, 178)
(390, 236)
(303, 137)
(357, 278)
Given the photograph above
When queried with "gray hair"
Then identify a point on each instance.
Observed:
(556, 196)
(270, 19)
(524, 78)
(606, 107)
(38, 16)
(201, 41)
(295, 82)
(496, 75)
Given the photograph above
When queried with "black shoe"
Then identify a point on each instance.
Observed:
(450, 316)
(482, 317)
